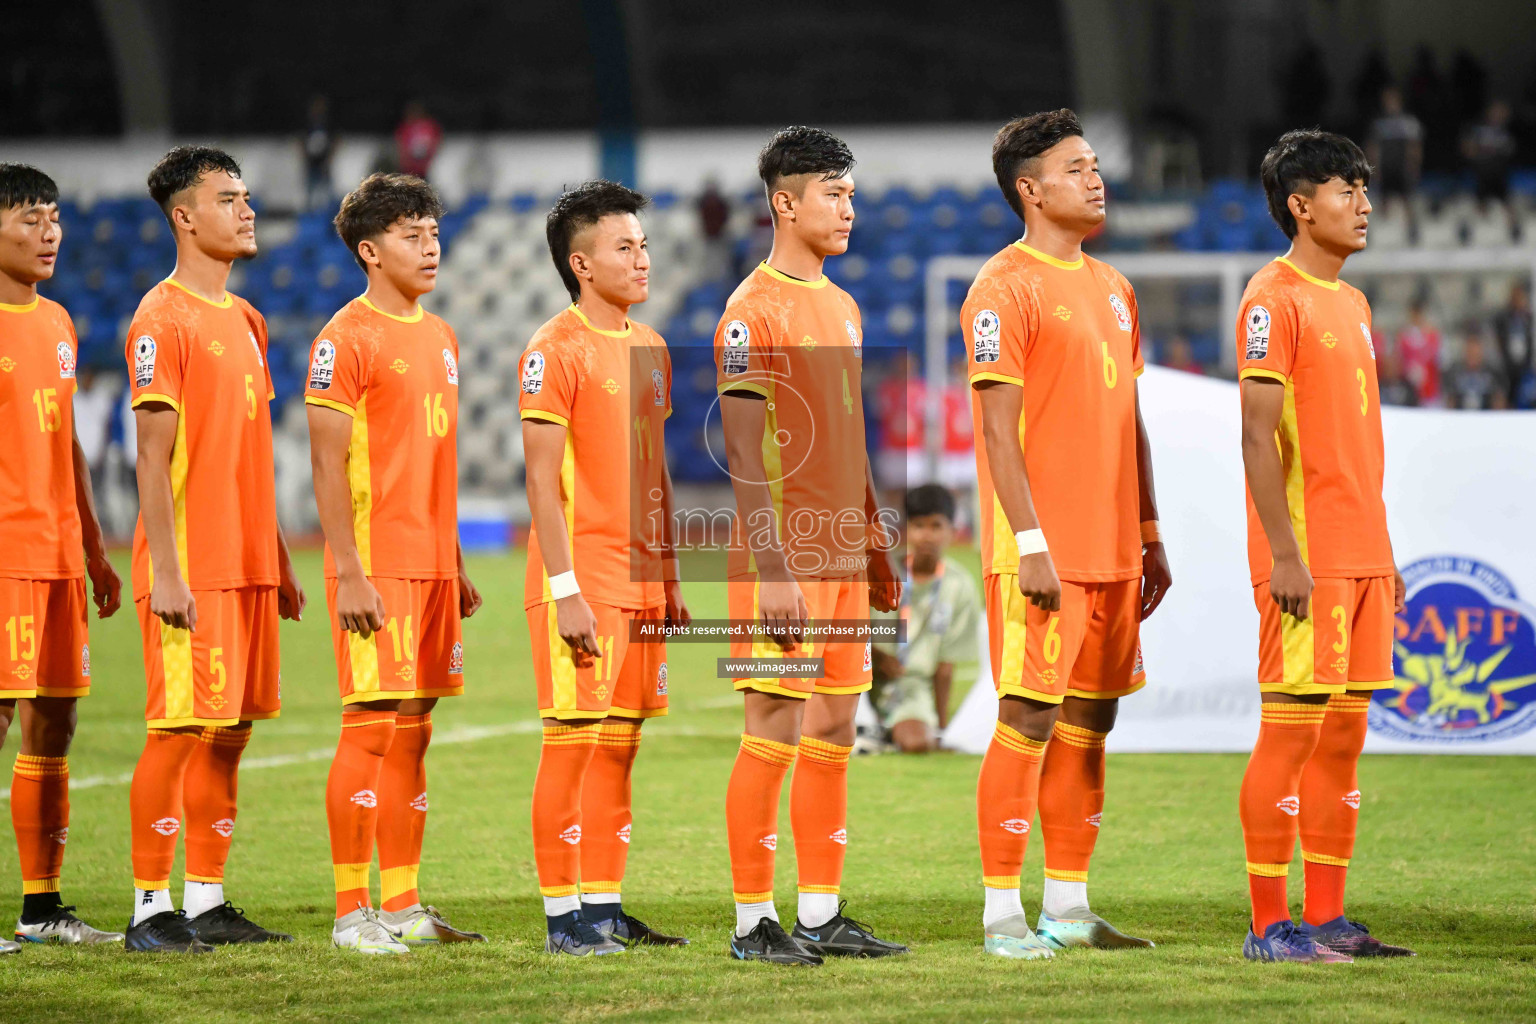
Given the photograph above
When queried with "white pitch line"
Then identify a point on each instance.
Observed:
(458, 734)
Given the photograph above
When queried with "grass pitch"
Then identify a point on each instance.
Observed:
(1443, 865)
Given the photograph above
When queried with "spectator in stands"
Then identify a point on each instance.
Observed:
(416, 140)
(1515, 338)
(1178, 355)
(714, 215)
(1418, 345)
(1489, 149)
(318, 144)
(1396, 389)
(899, 399)
(1395, 146)
(957, 464)
(941, 607)
(1474, 383)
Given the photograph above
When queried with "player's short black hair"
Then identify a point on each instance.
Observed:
(182, 168)
(802, 150)
(930, 500)
(25, 185)
(1303, 159)
(578, 209)
(378, 202)
(1023, 139)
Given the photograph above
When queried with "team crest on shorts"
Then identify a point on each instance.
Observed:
(661, 680)
(66, 361)
(1257, 322)
(987, 337)
(659, 387)
(735, 357)
(85, 660)
(323, 367)
(1464, 656)
(1370, 344)
(533, 373)
(452, 366)
(1122, 312)
(143, 361)
(456, 659)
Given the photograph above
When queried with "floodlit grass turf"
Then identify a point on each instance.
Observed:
(1443, 865)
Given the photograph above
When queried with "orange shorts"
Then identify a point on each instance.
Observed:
(1345, 644)
(845, 666)
(45, 639)
(418, 653)
(224, 672)
(1090, 648)
(628, 681)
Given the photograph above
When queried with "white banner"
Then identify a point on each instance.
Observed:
(1461, 505)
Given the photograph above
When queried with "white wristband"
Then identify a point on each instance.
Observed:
(1030, 542)
(563, 585)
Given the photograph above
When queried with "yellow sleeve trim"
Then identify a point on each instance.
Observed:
(668, 415)
(997, 376)
(1139, 371)
(540, 414)
(742, 385)
(1259, 371)
(338, 406)
(150, 396)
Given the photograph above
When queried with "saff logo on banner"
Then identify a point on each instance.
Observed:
(1464, 653)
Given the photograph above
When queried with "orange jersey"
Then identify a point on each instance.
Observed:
(1315, 338)
(612, 391)
(398, 378)
(39, 523)
(208, 361)
(1067, 333)
(799, 344)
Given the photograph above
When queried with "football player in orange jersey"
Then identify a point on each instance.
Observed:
(1324, 577)
(383, 402)
(806, 545)
(211, 573)
(595, 393)
(47, 518)
(1070, 546)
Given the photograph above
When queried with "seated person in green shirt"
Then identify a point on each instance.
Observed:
(941, 606)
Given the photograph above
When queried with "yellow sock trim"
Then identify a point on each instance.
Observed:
(570, 736)
(395, 881)
(753, 897)
(1067, 876)
(223, 736)
(1077, 736)
(1269, 870)
(210, 879)
(32, 886)
(1000, 881)
(163, 883)
(557, 890)
(1292, 714)
(350, 876)
(1349, 704)
(30, 766)
(828, 890)
(1323, 858)
(1011, 739)
(775, 753)
(824, 752)
(592, 887)
(413, 721)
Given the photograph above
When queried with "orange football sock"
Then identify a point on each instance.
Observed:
(605, 807)
(403, 811)
(1071, 800)
(1006, 793)
(557, 793)
(155, 805)
(818, 814)
(212, 785)
(1270, 801)
(1330, 806)
(40, 816)
(752, 815)
(352, 801)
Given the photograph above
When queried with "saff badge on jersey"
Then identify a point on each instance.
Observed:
(143, 361)
(986, 337)
(323, 367)
(1257, 321)
(533, 373)
(735, 358)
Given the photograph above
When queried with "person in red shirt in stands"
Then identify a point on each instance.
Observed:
(1418, 345)
(417, 138)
